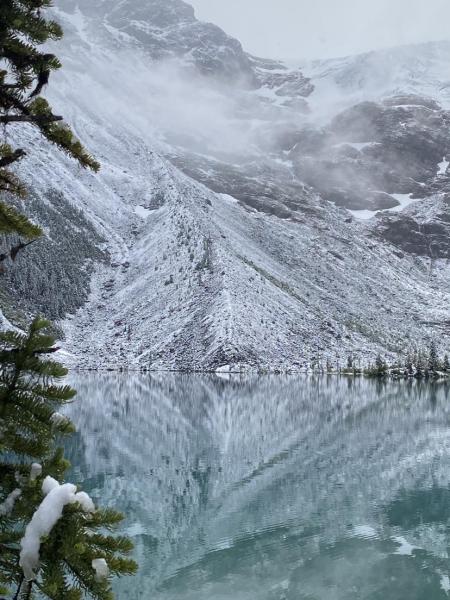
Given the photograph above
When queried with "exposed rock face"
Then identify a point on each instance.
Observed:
(218, 233)
(412, 100)
(423, 230)
(266, 187)
(290, 84)
(372, 148)
(168, 29)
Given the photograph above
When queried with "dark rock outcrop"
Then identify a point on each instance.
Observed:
(372, 148)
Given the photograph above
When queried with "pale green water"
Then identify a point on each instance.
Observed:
(272, 488)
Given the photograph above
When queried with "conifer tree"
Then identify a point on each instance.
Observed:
(54, 543)
(433, 358)
(52, 538)
(409, 366)
(446, 364)
(24, 71)
(420, 365)
(380, 366)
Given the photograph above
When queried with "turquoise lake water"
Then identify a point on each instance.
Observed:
(271, 488)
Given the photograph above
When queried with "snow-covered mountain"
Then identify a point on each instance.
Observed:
(243, 215)
(422, 69)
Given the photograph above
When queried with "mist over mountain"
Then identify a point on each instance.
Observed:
(248, 213)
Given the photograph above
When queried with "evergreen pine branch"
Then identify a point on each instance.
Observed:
(23, 29)
(29, 397)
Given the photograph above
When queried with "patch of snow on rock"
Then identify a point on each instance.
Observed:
(443, 166)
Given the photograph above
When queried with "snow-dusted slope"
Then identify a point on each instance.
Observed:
(203, 245)
(422, 69)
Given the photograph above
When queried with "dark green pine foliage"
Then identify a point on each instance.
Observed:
(433, 358)
(409, 365)
(420, 365)
(31, 392)
(381, 367)
(24, 71)
(30, 388)
(446, 364)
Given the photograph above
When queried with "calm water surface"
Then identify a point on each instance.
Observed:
(272, 488)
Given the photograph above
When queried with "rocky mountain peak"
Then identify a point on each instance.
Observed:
(169, 29)
(162, 13)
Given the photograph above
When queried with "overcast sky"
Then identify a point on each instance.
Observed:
(326, 28)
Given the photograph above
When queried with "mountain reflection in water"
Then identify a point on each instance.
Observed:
(271, 488)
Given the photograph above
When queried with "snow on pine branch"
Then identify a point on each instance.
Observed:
(58, 419)
(45, 518)
(7, 506)
(35, 471)
(101, 569)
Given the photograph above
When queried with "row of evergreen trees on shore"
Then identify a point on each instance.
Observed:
(418, 364)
